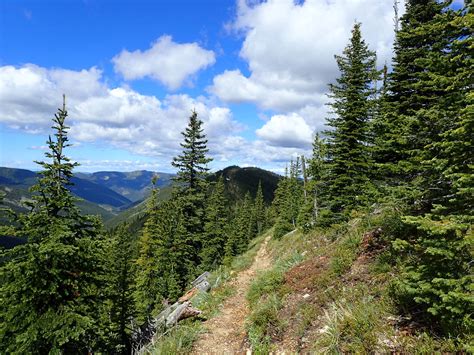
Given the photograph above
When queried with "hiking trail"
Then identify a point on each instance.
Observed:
(225, 333)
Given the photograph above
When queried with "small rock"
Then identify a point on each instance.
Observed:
(306, 296)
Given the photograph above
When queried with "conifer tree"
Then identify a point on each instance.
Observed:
(436, 281)
(353, 106)
(163, 262)
(318, 171)
(245, 224)
(212, 252)
(121, 286)
(52, 287)
(149, 288)
(191, 186)
(289, 198)
(399, 135)
(259, 209)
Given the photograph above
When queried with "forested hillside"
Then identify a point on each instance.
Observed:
(365, 246)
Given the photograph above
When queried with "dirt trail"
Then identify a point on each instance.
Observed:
(225, 333)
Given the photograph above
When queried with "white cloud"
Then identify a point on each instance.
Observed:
(121, 117)
(166, 61)
(290, 48)
(286, 131)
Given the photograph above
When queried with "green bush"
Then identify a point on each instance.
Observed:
(282, 227)
(435, 280)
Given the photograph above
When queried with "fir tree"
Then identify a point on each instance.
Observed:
(52, 286)
(288, 201)
(191, 187)
(436, 281)
(245, 224)
(163, 262)
(259, 209)
(149, 287)
(121, 286)
(215, 238)
(399, 135)
(353, 106)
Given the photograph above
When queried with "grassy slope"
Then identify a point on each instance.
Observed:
(328, 293)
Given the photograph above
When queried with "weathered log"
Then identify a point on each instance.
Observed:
(203, 286)
(188, 295)
(183, 311)
(201, 278)
(160, 320)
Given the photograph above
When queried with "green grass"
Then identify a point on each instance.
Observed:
(266, 297)
(178, 341)
(355, 323)
(353, 313)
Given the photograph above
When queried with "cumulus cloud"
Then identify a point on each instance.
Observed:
(286, 131)
(290, 48)
(119, 116)
(166, 61)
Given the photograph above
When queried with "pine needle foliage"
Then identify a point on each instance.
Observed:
(52, 287)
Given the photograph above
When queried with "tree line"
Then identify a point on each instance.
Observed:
(403, 139)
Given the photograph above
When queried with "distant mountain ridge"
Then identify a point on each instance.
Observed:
(121, 196)
(237, 181)
(134, 185)
(105, 192)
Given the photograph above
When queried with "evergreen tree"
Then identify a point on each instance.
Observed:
(318, 172)
(215, 238)
(436, 281)
(245, 224)
(353, 106)
(289, 198)
(149, 287)
(241, 228)
(259, 209)
(399, 132)
(163, 262)
(52, 289)
(191, 187)
(121, 286)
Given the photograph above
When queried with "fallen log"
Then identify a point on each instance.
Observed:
(188, 295)
(200, 278)
(181, 312)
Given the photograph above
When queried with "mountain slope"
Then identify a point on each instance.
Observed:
(237, 182)
(134, 185)
(96, 199)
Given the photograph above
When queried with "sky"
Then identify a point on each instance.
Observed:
(256, 72)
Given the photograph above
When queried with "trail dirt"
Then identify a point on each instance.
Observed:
(225, 333)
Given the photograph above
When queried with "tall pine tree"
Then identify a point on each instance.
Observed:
(121, 286)
(259, 209)
(436, 281)
(215, 233)
(52, 290)
(191, 187)
(353, 107)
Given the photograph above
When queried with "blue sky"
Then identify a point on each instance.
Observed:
(256, 73)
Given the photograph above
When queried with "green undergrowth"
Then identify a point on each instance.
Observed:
(266, 296)
(180, 339)
(349, 309)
